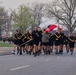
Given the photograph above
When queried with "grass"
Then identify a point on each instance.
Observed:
(6, 44)
(2, 44)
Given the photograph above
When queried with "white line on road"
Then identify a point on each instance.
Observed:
(19, 67)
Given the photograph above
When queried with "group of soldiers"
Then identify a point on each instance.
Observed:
(35, 41)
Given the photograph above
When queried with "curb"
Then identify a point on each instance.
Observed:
(5, 53)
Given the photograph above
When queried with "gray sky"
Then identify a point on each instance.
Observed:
(15, 3)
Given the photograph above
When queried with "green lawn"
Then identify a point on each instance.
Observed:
(5, 44)
(2, 44)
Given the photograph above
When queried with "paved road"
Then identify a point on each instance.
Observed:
(40, 65)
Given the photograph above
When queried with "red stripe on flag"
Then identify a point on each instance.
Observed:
(50, 28)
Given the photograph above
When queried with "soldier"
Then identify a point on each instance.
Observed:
(35, 41)
(66, 43)
(15, 41)
(25, 40)
(61, 41)
(40, 40)
(45, 42)
(30, 43)
(20, 36)
(71, 40)
(57, 37)
(51, 40)
(22, 41)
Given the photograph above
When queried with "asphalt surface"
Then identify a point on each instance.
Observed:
(41, 65)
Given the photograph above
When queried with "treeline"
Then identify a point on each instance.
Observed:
(25, 16)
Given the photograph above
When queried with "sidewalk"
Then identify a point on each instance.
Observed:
(6, 50)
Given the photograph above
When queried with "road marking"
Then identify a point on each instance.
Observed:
(19, 67)
(47, 60)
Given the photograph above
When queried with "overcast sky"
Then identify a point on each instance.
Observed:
(15, 3)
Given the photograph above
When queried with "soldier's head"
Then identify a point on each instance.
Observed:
(39, 28)
(61, 30)
(35, 28)
(30, 31)
(16, 31)
(20, 31)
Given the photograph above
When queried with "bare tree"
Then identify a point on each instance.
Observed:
(65, 13)
(37, 10)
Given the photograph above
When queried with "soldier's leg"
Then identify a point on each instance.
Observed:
(56, 48)
(71, 50)
(24, 49)
(61, 49)
(39, 49)
(29, 50)
(14, 49)
(20, 50)
(45, 50)
(34, 50)
(48, 49)
(67, 48)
